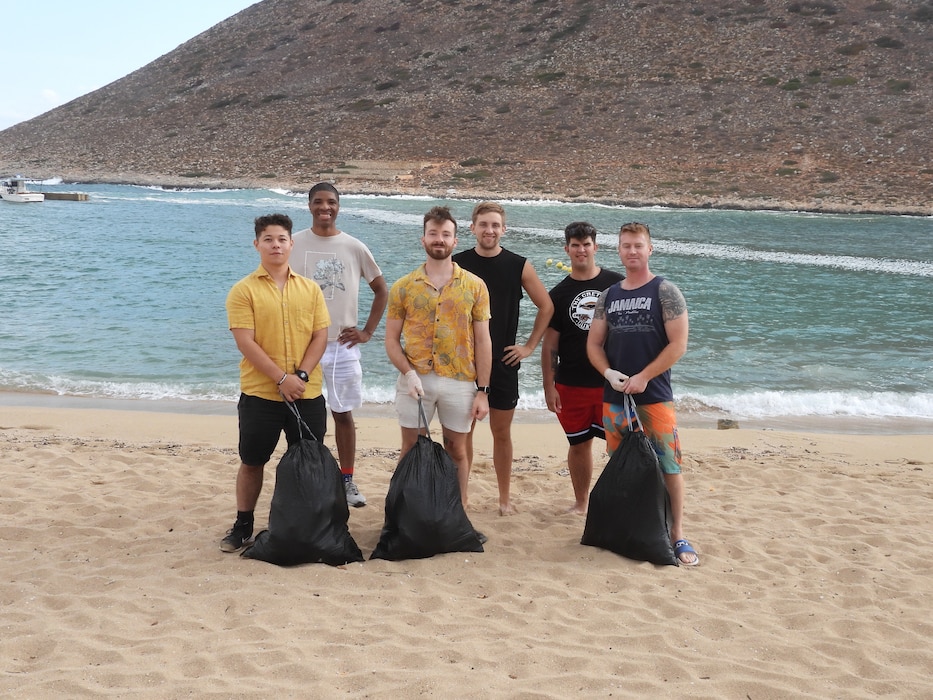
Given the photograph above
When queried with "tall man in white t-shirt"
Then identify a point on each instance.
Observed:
(337, 262)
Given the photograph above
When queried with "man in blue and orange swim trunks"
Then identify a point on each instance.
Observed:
(639, 330)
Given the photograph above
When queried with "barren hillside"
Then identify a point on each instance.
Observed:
(734, 103)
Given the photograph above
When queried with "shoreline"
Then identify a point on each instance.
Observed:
(357, 186)
(693, 420)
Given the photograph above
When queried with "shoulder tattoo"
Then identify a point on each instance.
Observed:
(599, 313)
(673, 303)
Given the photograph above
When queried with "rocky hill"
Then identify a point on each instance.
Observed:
(726, 103)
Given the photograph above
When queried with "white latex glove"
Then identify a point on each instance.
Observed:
(615, 378)
(414, 384)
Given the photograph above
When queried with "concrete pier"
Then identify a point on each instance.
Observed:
(70, 196)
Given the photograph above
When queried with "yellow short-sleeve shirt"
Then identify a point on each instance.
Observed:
(282, 322)
(437, 328)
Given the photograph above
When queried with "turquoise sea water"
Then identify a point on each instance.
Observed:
(792, 314)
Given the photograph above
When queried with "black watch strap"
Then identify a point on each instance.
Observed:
(484, 389)
(301, 374)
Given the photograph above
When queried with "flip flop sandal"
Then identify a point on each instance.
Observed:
(683, 547)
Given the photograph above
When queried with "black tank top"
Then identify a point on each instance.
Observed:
(503, 277)
(636, 335)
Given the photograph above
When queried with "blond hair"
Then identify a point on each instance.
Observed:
(485, 208)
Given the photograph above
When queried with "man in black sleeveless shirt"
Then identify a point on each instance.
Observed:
(506, 275)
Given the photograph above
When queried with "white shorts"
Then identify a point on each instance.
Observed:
(343, 377)
(451, 398)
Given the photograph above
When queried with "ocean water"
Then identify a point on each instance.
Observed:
(791, 314)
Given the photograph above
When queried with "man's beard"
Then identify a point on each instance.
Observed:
(439, 253)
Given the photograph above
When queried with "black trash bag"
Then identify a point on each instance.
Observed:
(630, 509)
(423, 513)
(309, 513)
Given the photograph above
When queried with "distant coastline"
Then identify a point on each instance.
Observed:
(359, 185)
(819, 107)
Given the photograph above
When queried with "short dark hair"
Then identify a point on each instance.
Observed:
(263, 222)
(325, 187)
(579, 230)
(439, 215)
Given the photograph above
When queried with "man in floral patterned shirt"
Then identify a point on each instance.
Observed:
(437, 336)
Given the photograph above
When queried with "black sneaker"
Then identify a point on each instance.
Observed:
(237, 536)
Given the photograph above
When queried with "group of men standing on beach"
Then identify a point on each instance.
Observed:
(451, 332)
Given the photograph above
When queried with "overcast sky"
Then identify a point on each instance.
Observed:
(56, 50)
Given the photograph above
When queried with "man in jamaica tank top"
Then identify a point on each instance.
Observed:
(638, 333)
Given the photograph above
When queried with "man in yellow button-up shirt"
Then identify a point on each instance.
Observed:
(279, 321)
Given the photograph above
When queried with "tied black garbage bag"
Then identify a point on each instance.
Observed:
(308, 516)
(423, 514)
(630, 510)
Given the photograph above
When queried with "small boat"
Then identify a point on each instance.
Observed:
(14, 190)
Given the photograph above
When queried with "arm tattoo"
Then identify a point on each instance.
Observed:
(673, 304)
(600, 311)
(553, 354)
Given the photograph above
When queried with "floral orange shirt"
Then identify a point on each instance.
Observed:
(437, 324)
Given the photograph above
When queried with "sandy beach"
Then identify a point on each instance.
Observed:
(815, 575)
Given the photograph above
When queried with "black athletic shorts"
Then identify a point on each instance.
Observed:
(262, 422)
(503, 386)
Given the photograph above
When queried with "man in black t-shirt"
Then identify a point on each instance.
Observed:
(573, 389)
(506, 275)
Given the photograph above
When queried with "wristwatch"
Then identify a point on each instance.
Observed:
(302, 375)
(484, 389)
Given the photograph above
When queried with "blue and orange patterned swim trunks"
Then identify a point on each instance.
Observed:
(659, 423)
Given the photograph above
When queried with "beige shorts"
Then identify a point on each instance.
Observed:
(451, 398)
